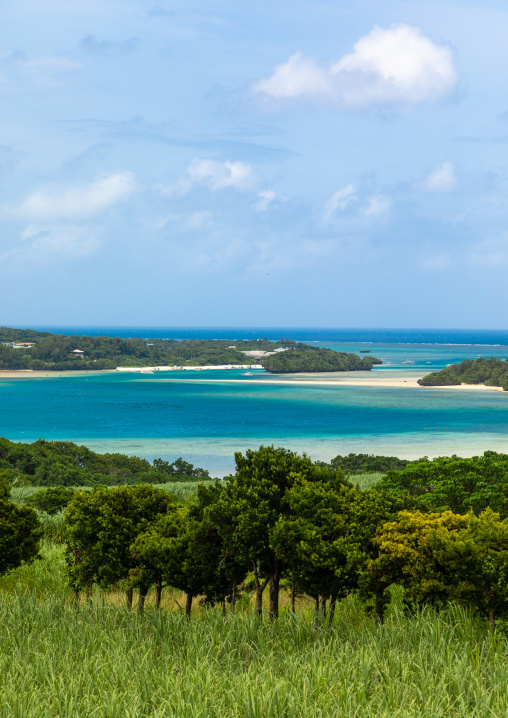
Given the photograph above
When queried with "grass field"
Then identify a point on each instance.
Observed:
(61, 661)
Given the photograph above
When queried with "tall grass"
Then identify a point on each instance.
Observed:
(365, 481)
(63, 661)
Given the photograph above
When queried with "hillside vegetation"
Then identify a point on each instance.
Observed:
(491, 372)
(63, 463)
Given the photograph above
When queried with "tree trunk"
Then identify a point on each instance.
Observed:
(128, 597)
(316, 612)
(323, 607)
(233, 598)
(260, 587)
(333, 602)
(158, 595)
(293, 597)
(223, 606)
(379, 611)
(143, 590)
(90, 590)
(188, 605)
(492, 622)
(274, 591)
(76, 595)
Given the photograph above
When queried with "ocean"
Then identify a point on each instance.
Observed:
(205, 416)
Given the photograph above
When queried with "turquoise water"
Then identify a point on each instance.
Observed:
(204, 418)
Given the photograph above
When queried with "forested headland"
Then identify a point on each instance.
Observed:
(491, 372)
(31, 350)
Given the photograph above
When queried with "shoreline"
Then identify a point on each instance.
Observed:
(330, 379)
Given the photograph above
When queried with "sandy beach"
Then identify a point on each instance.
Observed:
(376, 378)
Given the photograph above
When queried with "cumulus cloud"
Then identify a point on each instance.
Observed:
(219, 174)
(78, 202)
(300, 76)
(213, 174)
(442, 179)
(339, 201)
(392, 67)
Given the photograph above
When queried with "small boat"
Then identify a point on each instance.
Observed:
(248, 373)
(408, 361)
(428, 362)
(364, 351)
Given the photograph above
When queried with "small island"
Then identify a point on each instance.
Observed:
(30, 350)
(489, 372)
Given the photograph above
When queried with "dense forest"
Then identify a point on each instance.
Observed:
(313, 359)
(491, 372)
(63, 463)
(56, 352)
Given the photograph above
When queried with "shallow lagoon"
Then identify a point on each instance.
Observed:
(203, 418)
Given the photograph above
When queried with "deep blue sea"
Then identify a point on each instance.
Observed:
(207, 416)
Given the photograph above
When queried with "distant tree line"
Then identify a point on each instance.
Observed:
(438, 529)
(63, 463)
(491, 372)
(54, 352)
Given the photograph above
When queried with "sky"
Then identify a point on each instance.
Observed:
(318, 164)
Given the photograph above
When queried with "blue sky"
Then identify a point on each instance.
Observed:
(319, 163)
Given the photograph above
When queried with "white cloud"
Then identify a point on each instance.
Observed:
(300, 76)
(53, 243)
(76, 202)
(339, 200)
(266, 197)
(388, 67)
(219, 175)
(443, 179)
(377, 206)
(213, 174)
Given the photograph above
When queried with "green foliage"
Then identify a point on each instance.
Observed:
(454, 484)
(408, 556)
(63, 463)
(101, 526)
(253, 501)
(55, 351)
(304, 358)
(443, 557)
(179, 470)
(51, 500)
(20, 535)
(366, 463)
(491, 372)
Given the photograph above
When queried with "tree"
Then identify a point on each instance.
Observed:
(101, 526)
(20, 532)
(479, 554)
(253, 501)
(51, 500)
(408, 555)
(313, 540)
(453, 484)
(186, 551)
